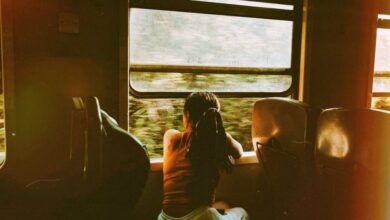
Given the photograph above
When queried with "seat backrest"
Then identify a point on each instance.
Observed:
(47, 197)
(78, 136)
(125, 165)
(283, 132)
(94, 141)
(86, 138)
(353, 164)
(114, 164)
(104, 178)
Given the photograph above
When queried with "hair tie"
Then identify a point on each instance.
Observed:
(214, 109)
(208, 110)
(204, 115)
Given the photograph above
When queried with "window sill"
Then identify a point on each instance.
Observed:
(250, 157)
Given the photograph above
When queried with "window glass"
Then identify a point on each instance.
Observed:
(381, 83)
(180, 38)
(382, 58)
(381, 103)
(178, 51)
(175, 82)
(2, 129)
(150, 118)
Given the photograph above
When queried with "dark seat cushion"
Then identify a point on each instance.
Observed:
(283, 134)
(353, 162)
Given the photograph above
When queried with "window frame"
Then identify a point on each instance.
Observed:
(383, 24)
(294, 15)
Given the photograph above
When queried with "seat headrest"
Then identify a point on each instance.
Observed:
(281, 118)
(354, 137)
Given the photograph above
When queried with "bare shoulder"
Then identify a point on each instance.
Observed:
(170, 137)
(229, 136)
(171, 133)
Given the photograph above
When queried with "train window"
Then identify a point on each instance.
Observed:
(2, 119)
(150, 118)
(381, 86)
(2, 108)
(2, 129)
(152, 82)
(179, 48)
(238, 49)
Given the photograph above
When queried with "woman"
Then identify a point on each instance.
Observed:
(194, 159)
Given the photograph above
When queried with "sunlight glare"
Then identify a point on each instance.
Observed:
(334, 142)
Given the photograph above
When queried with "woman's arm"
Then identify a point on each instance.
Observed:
(235, 147)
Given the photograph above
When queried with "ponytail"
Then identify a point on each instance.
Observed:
(208, 148)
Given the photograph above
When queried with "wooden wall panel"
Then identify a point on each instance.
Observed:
(340, 61)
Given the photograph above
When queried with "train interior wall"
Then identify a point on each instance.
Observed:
(49, 67)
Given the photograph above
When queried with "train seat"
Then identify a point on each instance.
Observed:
(105, 175)
(283, 134)
(353, 164)
(109, 163)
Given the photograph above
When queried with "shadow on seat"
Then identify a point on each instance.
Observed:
(283, 134)
(114, 164)
(353, 164)
(105, 175)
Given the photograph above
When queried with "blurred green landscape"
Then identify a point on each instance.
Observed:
(150, 118)
(215, 82)
(159, 37)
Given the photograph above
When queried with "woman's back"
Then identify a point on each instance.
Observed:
(193, 160)
(178, 177)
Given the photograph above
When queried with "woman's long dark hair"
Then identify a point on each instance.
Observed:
(207, 143)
